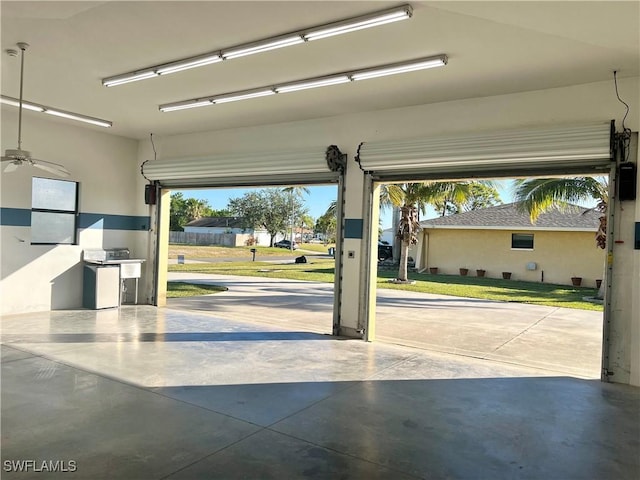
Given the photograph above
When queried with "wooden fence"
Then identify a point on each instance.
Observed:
(222, 239)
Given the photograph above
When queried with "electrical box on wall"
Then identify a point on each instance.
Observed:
(627, 181)
(150, 194)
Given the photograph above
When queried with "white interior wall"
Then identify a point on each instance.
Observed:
(572, 104)
(39, 277)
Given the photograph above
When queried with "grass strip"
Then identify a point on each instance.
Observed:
(184, 289)
(322, 270)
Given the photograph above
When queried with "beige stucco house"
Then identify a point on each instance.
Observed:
(559, 246)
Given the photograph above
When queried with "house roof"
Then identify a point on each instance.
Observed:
(507, 216)
(224, 222)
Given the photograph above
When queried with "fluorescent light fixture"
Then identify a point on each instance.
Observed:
(186, 105)
(294, 87)
(127, 78)
(262, 46)
(334, 79)
(36, 107)
(374, 19)
(381, 18)
(193, 62)
(399, 68)
(25, 105)
(78, 117)
(243, 96)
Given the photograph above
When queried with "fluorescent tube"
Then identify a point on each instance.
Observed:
(78, 117)
(293, 87)
(185, 105)
(262, 47)
(54, 111)
(243, 96)
(127, 78)
(191, 63)
(352, 26)
(392, 70)
(25, 105)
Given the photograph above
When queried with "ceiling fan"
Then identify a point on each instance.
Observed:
(14, 158)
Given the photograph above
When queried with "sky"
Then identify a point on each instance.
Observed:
(319, 198)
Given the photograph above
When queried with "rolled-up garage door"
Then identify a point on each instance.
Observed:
(559, 149)
(286, 167)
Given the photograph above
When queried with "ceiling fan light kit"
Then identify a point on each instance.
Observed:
(334, 79)
(403, 12)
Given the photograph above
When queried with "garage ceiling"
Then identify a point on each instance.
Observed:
(493, 48)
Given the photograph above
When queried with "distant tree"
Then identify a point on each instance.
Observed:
(326, 224)
(184, 210)
(295, 215)
(482, 195)
(449, 198)
(306, 222)
(268, 208)
(220, 213)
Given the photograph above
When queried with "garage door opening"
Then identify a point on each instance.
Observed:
(459, 252)
(488, 282)
(282, 174)
(267, 253)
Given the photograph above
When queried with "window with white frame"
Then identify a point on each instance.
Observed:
(522, 241)
(54, 211)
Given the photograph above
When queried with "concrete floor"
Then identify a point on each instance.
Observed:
(146, 393)
(562, 340)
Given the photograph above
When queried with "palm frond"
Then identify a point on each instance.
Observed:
(536, 196)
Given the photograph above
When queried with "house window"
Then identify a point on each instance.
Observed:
(54, 210)
(522, 241)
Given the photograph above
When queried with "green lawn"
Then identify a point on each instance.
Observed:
(322, 270)
(182, 289)
(216, 251)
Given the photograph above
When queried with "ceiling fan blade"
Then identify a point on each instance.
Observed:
(11, 167)
(50, 167)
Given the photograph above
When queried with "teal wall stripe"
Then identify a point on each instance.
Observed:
(21, 217)
(15, 217)
(113, 222)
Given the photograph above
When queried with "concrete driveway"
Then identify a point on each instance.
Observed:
(562, 340)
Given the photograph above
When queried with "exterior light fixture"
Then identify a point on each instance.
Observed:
(56, 112)
(334, 79)
(374, 19)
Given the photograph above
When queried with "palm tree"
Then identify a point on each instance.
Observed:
(538, 195)
(411, 198)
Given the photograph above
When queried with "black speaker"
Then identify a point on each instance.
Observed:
(627, 181)
(150, 194)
